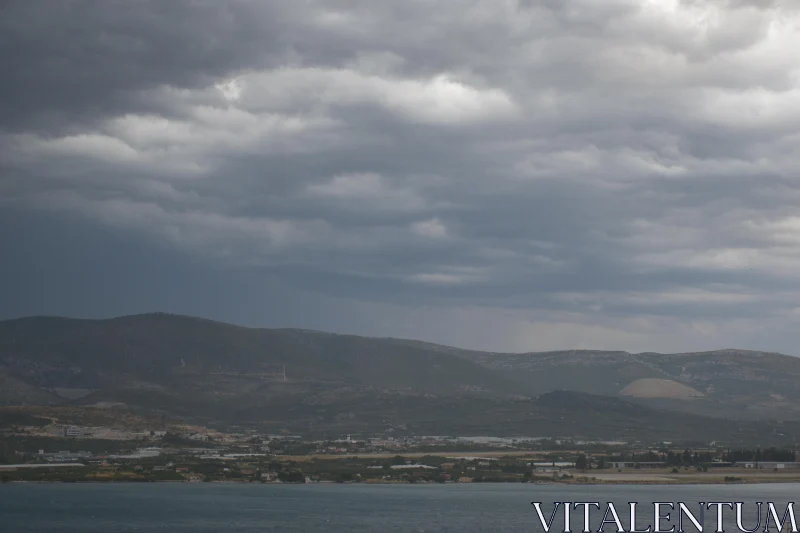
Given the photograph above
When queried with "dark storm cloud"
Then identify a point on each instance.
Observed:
(81, 60)
(550, 173)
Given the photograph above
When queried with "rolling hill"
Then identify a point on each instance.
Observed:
(160, 351)
(728, 383)
(211, 372)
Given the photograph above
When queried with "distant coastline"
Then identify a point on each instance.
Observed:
(581, 481)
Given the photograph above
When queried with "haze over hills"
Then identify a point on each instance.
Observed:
(219, 373)
(158, 349)
(730, 383)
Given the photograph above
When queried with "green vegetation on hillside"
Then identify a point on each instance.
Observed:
(178, 368)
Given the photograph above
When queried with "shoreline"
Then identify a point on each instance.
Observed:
(675, 482)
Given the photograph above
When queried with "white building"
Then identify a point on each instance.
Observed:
(770, 465)
(71, 431)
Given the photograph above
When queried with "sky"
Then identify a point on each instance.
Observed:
(507, 175)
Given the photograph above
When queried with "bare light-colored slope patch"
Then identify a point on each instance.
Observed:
(660, 388)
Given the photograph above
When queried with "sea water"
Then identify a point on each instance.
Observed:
(212, 507)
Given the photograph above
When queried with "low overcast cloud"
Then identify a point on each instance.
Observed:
(500, 174)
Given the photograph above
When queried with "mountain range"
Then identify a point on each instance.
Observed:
(202, 371)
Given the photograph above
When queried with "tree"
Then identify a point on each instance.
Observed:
(687, 457)
(292, 477)
(344, 477)
(601, 464)
(581, 463)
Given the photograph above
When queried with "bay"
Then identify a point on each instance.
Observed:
(466, 508)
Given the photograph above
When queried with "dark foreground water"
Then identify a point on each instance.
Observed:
(204, 507)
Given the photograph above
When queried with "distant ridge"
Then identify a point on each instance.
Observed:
(192, 366)
(413, 342)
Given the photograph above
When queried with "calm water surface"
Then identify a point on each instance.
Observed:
(200, 508)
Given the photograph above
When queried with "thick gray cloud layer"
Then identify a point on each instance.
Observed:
(512, 175)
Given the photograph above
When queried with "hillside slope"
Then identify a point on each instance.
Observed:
(730, 383)
(552, 415)
(163, 352)
(194, 368)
